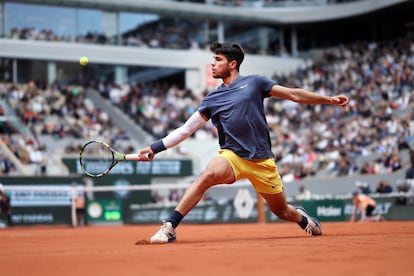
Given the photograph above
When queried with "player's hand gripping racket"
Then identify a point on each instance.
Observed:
(97, 158)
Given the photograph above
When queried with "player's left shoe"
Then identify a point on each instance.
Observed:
(314, 227)
(165, 234)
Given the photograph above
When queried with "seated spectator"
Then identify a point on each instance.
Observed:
(363, 187)
(409, 174)
(402, 143)
(6, 166)
(5, 207)
(383, 187)
(394, 163)
(366, 168)
(304, 194)
(408, 184)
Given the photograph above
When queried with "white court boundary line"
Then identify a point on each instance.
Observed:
(111, 187)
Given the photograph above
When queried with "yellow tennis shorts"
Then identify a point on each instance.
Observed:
(263, 173)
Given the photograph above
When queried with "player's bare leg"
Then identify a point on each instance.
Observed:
(376, 218)
(218, 171)
(278, 205)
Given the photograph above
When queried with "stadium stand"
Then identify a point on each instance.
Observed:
(377, 117)
(377, 129)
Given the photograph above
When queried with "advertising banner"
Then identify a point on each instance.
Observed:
(157, 168)
(203, 213)
(104, 212)
(40, 200)
(325, 210)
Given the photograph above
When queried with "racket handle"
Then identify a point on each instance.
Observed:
(135, 156)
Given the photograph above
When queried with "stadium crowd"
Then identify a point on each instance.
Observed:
(378, 77)
(307, 140)
(168, 35)
(379, 120)
(157, 36)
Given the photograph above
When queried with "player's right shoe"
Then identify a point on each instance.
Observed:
(314, 227)
(165, 234)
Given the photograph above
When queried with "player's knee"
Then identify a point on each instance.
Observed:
(209, 177)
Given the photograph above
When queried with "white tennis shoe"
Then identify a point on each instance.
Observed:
(165, 234)
(314, 227)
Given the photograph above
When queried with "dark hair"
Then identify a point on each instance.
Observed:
(232, 51)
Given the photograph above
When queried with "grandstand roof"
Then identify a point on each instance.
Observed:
(281, 15)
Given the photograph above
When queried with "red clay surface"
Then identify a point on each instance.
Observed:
(385, 248)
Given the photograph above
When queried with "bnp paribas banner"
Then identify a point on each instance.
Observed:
(40, 200)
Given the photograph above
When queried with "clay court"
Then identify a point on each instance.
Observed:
(385, 248)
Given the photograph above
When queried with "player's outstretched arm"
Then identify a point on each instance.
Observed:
(196, 121)
(303, 96)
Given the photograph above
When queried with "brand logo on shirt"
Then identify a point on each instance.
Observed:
(243, 86)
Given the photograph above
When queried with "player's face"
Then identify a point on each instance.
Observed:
(220, 67)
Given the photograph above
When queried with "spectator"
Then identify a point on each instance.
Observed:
(366, 168)
(409, 174)
(6, 166)
(394, 163)
(408, 184)
(304, 194)
(363, 187)
(5, 206)
(383, 187)
(402, 143)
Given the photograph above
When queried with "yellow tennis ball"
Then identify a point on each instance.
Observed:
(83, 61)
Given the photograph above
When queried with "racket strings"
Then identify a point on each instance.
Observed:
(96, 158)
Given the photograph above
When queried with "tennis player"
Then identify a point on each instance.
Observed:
(237, 111)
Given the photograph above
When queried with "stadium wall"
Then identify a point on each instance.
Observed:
(129, 199)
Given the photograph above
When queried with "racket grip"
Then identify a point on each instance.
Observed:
(135, 156)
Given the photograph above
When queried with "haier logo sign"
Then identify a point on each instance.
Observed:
(328, 211)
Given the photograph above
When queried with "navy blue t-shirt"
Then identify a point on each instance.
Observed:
(238, 113)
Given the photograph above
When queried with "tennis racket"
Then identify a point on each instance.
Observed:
(97, 158)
